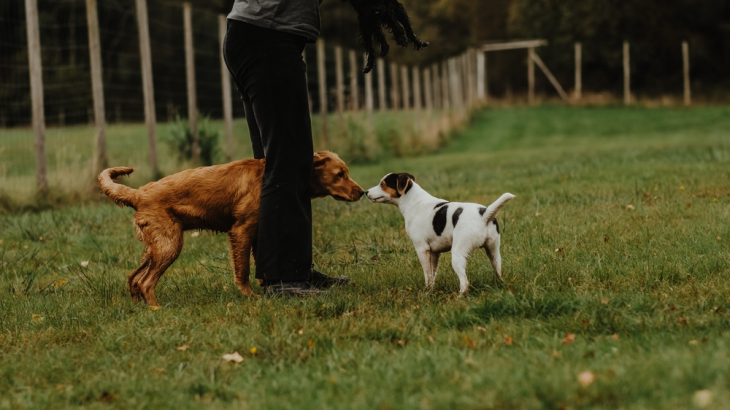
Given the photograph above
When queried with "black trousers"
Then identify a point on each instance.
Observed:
(270, 74)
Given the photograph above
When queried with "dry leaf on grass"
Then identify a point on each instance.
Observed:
(233, 357)
(508, 340)
(586, 378)
(311, 343)
(254, 350)
(702, 398)
(37, 318)
(569, 338)
(84, 264)
(183, 348)
(154, 308)
(60, 282)
(630, 207)
(481, 328)
(467, 341)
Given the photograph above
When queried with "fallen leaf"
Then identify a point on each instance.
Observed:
(702, 398)
(230, 304)
(59, 282)
(254, 350)
(37, 318)
(183, 348)
(202, 262)
(681, 188)
(569, 338)
(586, 378)
(84, 264)
(374, 258)
(694, 342)
(614, 336)
(401, 342)
(559, 250)
(630, 207)
(689, 205)
(718, 239)
(470, 361)
(682, 320)
(467, 341)
(195, 234)
(154, 308)
(604, 301)
(481, 328)
(713, 200)
(310, 343)
(233, 357)
(430, 339)
(508, 340)
(225, 287)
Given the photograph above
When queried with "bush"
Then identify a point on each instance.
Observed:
(180, 140)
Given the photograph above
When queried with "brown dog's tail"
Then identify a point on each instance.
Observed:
(122, 195)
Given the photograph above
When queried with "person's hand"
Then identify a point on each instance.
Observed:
(373, 16)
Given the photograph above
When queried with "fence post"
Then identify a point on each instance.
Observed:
(481, 76)
(97, 86)
(368, 90)
(394, 96)
(354, 91)
(36, 92)
(471, 75)
(436, 86)
(685, 65)
(190, 74)
(381, 85)
(454, 81)
(445, 80)
(340, 84)
(148, 89)
(406, 86)
(530, 76)
(226, 88)
(627, 74)
(427, 89)
(578, 92)
(322, 79)
(416, 88)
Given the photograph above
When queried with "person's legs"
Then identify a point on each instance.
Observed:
(270, 73)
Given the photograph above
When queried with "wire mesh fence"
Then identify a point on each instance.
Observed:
(354, 113)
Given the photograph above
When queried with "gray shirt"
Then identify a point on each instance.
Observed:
(300, 17)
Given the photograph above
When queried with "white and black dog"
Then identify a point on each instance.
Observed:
(435, 225)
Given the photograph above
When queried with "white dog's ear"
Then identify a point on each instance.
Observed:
(405, 181)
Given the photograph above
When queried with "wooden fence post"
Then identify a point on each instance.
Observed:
(481, 76)
(627, 74)
(685, 65)
(471, 70)
(148, 89)
(97, 86)
(340, 84)
(530, 76)
(354, 89)
(36, 92)
(394, 92)
(381, 85)
(445, 88)
(436, 86)
(416, 88)
(190, 76)
(454, 82)
(322, 79)
(406, 86)
(226, 88)
(428, 95)
(578, 92)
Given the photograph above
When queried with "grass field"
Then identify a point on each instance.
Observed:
(619, 236)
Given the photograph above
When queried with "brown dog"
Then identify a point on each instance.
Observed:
(222, 198)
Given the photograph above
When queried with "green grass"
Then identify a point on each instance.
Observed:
(645, 290)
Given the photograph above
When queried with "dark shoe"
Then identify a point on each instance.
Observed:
(321, 280)
(291, 289)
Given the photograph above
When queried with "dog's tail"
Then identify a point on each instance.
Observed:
(496, 206)
(122, 195)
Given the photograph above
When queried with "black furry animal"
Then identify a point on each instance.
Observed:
(373, 16)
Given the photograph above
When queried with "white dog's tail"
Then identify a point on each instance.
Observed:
(496, 206)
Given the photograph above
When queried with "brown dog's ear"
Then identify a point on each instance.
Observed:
(320, 159)
(405, 181)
